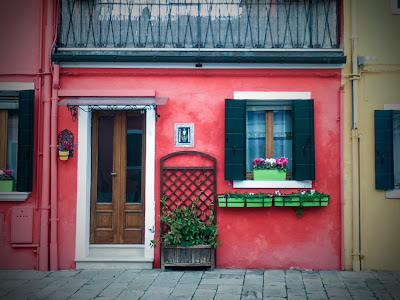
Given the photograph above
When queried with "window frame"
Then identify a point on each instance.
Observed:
(395, 193)
(395, 6)
(268, 96)
(16, 86)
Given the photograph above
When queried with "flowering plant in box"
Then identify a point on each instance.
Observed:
(66, 144)
(6, 174)
(279, 163)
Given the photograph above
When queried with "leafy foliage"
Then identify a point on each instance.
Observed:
(184, 227)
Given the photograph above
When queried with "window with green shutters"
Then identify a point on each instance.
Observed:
(387, 149)
(251, 125)
(17, 131)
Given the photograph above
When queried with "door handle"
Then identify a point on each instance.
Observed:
(115, 176)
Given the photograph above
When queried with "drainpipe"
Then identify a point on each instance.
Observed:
(45, 203)
(341, 126)
(53, 186)
(355, 141)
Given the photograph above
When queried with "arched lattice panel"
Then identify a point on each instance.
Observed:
(181, 185)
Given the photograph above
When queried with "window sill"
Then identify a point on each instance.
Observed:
(393, 194)
(14, 196)
(284, 184)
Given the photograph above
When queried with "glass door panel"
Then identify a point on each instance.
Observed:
(105, 159)
(134, 136)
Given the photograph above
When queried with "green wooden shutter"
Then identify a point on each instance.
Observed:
(303, 140)
(25, 140)
(384, 169)
(235, 139)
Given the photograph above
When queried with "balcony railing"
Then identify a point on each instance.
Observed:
(199, 24)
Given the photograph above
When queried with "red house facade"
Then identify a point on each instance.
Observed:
(136, 81)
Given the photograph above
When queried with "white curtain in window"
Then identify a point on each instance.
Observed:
(255, 139)
(283, 135)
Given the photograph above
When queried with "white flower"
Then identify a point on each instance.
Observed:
(278, 193)
(273, 161)
(251, 193)
(1, 172)
(303, 192)
(312, 192)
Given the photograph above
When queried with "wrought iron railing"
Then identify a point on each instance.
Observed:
(192, 24)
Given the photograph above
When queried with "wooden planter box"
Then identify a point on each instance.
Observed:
(317, 201)
(272, 174)
(193, 256)
(286, 200)
(230, 202)
(259, 202)
(6, 185)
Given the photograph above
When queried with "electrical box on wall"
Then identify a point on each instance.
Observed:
(21, 225)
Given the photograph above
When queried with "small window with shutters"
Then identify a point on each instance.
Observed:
(272, 128)
(387, 151)
(17, 137)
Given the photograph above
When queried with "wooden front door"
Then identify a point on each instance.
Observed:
(117, 191)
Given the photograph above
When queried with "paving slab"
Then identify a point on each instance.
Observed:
(292, 284)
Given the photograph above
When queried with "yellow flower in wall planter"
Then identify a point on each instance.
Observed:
(270, 168)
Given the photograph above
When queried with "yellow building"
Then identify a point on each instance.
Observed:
(371, 82)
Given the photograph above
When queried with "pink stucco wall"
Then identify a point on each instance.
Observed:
(251, 237)
(20, 39)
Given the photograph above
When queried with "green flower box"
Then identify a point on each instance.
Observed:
(316, 201)
(6, 185)
(259, 202)
(286, 200)
(272, 174)
(230, 202)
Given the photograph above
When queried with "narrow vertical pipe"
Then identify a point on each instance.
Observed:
(355, 150)
(341, 151)
(48, 28)
(53, 171)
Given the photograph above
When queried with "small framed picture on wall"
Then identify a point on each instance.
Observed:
(184, 134)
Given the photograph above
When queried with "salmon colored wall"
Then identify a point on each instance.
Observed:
(251, 237)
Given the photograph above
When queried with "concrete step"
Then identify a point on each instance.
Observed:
(114, 263)
(115, 251)
(115, 257)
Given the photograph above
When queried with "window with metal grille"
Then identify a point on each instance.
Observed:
(188, 24)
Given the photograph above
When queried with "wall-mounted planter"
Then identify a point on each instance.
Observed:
(6, 185)
(273, 174)
(63, 154)
(286, 200)
(259, 202)
(230, 201)
(316, 201)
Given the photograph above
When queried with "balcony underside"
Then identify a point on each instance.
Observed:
(203, 56)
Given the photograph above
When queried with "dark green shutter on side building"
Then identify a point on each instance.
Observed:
(25, 140)
(303, 140)
(235, 139)
(384, 169)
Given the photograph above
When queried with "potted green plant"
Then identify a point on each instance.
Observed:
(270, 168)
(185, 239)
(6, 180)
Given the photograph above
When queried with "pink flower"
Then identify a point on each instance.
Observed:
(259, 160)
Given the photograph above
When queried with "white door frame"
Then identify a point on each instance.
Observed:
(84, 183)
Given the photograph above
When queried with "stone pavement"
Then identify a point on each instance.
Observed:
(227, 284)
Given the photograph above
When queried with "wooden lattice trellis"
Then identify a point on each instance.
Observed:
(181, 185)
